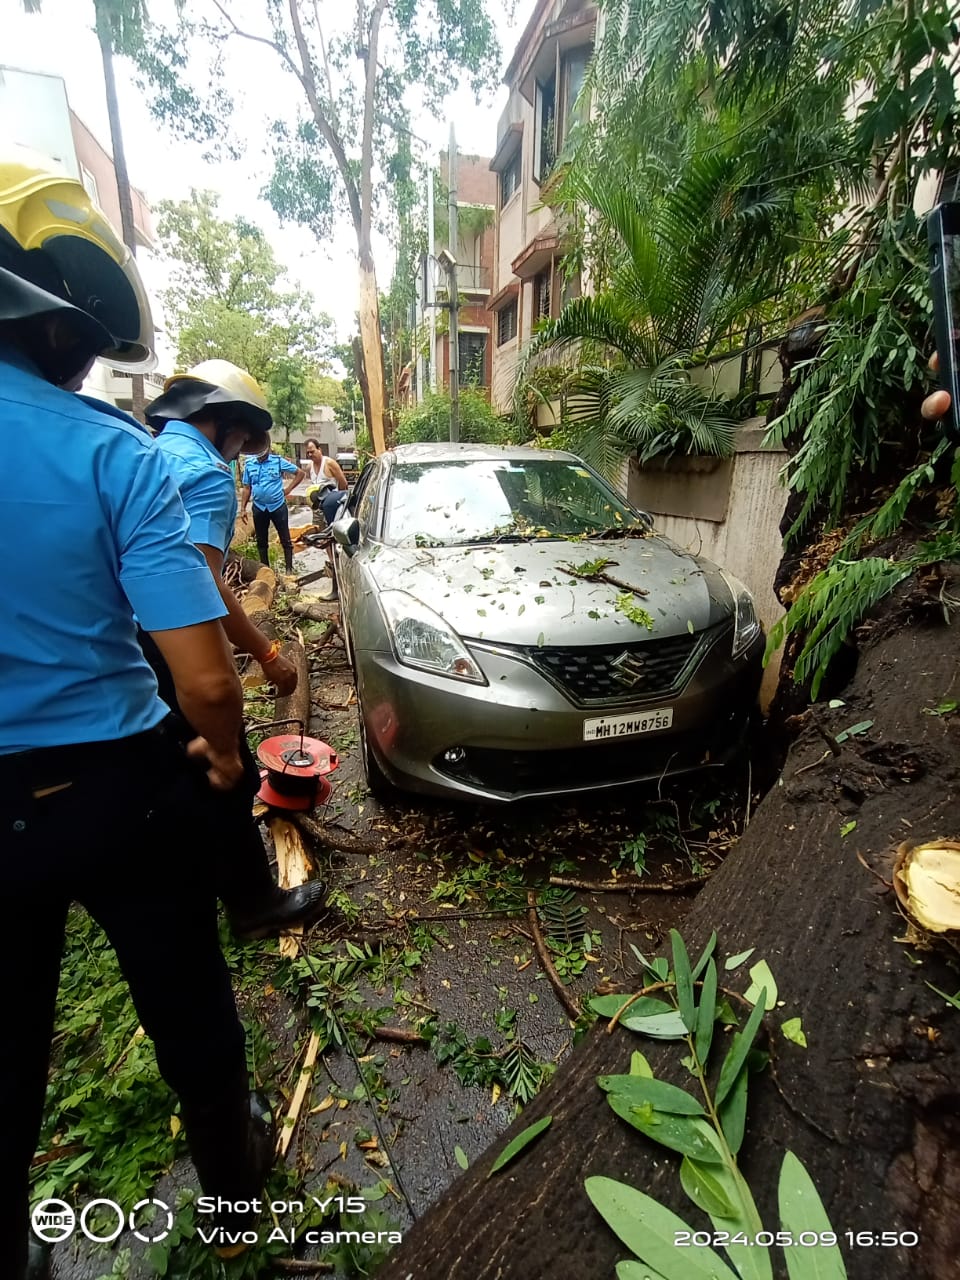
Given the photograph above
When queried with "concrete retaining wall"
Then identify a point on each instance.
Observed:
(727, 510)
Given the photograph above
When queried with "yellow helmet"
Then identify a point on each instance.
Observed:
(59, 254)
(218, 388)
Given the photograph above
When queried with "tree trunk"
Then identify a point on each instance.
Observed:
(128, 230)
(372, 352)
(361, 374)
(370, 331)
(871, 1106)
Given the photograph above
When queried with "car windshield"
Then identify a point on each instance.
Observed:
(494, 499)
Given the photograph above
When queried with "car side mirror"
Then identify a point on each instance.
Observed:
(346, 533)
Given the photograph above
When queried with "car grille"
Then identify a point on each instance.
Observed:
(589, 676)
(573, 768)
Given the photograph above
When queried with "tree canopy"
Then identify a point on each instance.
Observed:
(340, 140)
(226, 296)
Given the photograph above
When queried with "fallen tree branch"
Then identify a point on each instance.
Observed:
(634, 883)
(311, 611)
(564, 996)
(296, 1103)
(399, 1035)
(637, 995)
(333, 838)
(607, 578)
(58, 1153)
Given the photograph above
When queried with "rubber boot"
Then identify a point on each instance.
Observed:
(277, 910)
(38, 1260)
(233, 1147)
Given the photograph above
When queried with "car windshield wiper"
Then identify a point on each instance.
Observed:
(496, 537)
(618, 531)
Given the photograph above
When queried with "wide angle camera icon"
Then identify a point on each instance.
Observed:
(54, 1221)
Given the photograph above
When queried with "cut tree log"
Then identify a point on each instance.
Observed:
(293, 868)
(870, 1107)
(315, 612)
(296, 706)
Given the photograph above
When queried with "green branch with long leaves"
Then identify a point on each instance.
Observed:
(707, 1130)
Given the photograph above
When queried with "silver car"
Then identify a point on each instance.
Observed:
(517, 629)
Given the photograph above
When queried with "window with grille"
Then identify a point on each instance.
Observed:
(541, 296)
(950, 183)
(473, 359)
(506, 323)
(545, 135)
(510, 177)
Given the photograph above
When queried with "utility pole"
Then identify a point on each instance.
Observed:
(431, 291)
(419, 316)
(454, 294)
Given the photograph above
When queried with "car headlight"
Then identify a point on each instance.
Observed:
(423, 640)
(746, 626)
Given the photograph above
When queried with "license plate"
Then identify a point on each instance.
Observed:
(606, 728)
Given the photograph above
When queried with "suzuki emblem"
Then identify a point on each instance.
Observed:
(629, 668)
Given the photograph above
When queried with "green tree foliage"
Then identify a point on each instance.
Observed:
(430, 421)
(226, 297)
(828, 116)
(290, 395)
(670, 291)
(340, 139)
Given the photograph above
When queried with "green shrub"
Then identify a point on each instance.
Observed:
(430, 421)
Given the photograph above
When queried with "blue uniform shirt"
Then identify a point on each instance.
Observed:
(205, 482)
(266, 480)
(94, 532)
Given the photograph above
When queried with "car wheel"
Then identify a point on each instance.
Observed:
(378, 784)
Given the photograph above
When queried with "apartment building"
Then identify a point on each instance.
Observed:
(99, 177)
(475, 253)
(544, 77)
(35, 112)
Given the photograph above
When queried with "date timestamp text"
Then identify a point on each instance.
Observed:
(803, 1239)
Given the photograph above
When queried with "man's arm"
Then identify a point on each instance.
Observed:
(298, 475)
(167, 583)
(244, 499)
(337, 472)
(243, 634)
(209, 694)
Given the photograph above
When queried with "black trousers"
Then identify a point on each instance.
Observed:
(238, 861)
(126, 839)
(280, 519)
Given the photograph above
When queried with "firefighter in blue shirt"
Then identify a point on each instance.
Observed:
(263, 479)
(101, 801)
(206, 417)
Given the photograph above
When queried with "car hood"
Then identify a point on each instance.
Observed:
(523, 593)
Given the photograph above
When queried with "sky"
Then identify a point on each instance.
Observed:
(60, 41)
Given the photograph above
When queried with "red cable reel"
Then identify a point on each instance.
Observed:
(295, 769)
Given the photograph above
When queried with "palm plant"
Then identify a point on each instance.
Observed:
(673, 289)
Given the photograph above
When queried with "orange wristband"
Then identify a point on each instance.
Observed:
(272, 654)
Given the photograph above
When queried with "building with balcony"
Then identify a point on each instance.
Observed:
(544, 77)
(35, 113)
(476, 201)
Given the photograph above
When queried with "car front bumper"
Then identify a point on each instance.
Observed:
(519, 736)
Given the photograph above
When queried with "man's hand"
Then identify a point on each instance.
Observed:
(282, 673)
(226, 769)
(936, 405)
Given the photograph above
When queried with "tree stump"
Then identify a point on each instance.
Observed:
(871, 1107)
